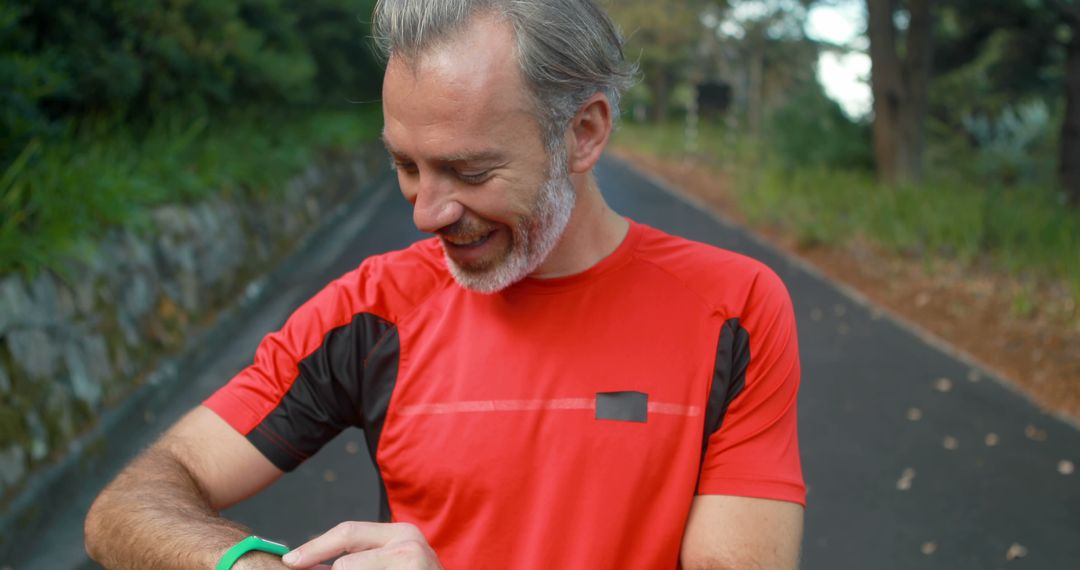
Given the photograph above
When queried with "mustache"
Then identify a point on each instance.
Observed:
(466, 227)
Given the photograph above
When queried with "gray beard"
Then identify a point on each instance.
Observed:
(532, 239)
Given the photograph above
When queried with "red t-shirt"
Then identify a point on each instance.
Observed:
(560, 423)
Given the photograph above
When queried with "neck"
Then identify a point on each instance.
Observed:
(593, 233)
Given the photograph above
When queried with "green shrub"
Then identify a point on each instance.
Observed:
(812, 130)
(1019, 229)
(962, 211)
(57, 196)
(135, 60)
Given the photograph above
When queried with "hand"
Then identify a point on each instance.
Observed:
(367, 546)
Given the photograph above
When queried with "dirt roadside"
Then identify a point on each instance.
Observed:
(1028, 333)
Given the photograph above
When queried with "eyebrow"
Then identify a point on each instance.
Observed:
(462, 156)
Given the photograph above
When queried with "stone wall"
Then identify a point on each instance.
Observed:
(76, 341)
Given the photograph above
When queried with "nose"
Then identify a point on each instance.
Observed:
(435, 205)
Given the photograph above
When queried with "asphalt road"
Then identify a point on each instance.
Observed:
(913, 458)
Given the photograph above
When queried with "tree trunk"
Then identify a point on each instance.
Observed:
(756, 89)
(886, 84)
(900, 89)
(917, 69)
(1069, 167)
(660, 87)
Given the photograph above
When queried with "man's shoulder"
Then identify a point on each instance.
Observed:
(723, 278)
(391, 284)
(417, 264)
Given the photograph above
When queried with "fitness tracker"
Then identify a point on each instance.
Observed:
(250, 544)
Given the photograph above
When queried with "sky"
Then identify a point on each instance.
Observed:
(844, 76)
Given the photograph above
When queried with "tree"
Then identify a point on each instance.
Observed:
(662, 38)
(1069, 157)
(769, 53)
(989, 62)
(899, 81)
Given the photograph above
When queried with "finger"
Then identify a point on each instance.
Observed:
(366, 560)
(402, 555)
(349, 537)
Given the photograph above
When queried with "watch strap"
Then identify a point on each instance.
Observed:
(250, 544)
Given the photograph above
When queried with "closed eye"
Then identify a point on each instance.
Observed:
(474, 177)
(404, 166)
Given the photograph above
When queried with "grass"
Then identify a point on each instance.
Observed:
(1018, 229)
(670, 140)
(58, 196)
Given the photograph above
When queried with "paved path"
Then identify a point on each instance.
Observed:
(913, 458)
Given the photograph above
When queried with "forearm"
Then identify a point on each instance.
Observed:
(154, 515)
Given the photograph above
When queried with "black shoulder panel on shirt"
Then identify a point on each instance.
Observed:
(729, 376)
(379, 379)
(346, 382)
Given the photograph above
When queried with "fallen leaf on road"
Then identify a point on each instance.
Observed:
(1016, 551)
(352, 448)
(905, 479)
(1066, 467)
(943, 385)
(929, 548)
(974, 375)
(992, 439)
(914, 414)
(1035, 434)
(329, 476)
(950, 443)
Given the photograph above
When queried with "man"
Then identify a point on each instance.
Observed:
(544, 384)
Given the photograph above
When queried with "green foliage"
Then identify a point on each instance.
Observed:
(996, 104)
(671, 139)
(811, 130)
(956, 213)
(987, 60)
(660, 39)
(336, 34)
(1017, 228)
(108, 107)
(28, 77)
(135, 60)
(56, 196)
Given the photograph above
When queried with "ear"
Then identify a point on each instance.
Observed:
(588, 133)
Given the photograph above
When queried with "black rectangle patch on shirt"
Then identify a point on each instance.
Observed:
(622, 406)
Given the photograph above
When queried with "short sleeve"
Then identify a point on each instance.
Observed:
(304, 386)
(754, 450)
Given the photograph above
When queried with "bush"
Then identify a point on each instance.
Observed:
(812, 130)
(1017, 228)
(131, 61)
(57, 197)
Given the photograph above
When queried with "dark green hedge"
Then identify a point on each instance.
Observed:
(130, 61)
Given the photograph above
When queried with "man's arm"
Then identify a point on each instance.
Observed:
(161, 510)
(739, 533)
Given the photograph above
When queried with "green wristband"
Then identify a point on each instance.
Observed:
(249, 544)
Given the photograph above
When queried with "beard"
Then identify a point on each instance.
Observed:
(532, 238)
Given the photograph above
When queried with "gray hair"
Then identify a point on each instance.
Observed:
(568, 50)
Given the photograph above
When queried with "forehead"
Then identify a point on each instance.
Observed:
(466, 87)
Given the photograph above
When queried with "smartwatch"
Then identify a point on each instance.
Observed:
(250, 544)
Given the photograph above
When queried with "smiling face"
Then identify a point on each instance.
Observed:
(470, 157)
